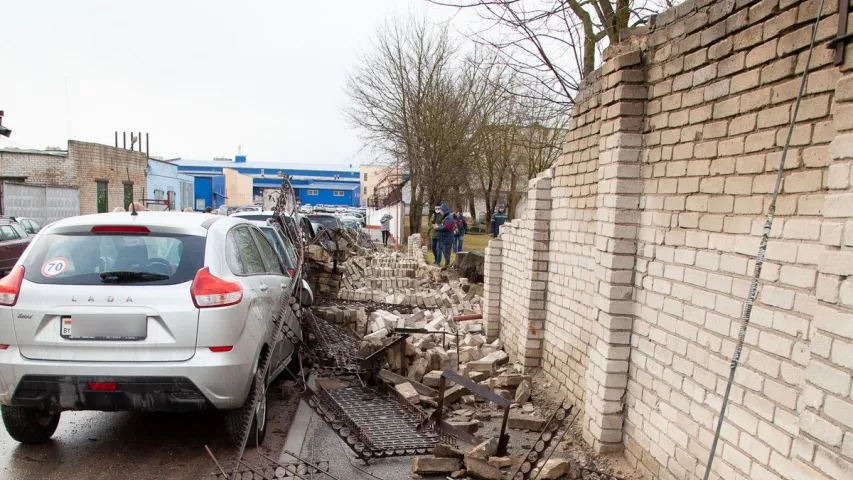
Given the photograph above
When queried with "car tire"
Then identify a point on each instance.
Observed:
(235, 420)
(29, 426)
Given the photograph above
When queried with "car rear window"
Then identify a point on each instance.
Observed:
(80, 259)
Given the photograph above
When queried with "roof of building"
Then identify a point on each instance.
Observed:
(59, 153)
(330, 186)
(320, 167)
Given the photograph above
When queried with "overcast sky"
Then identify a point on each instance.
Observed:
(201, 77)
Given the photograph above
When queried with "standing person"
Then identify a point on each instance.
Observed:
(435, 218)
(461, 230)
(498, 219)
(385, 226)
(445, 229)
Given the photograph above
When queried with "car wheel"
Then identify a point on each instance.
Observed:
(236, 420)
(27, 425)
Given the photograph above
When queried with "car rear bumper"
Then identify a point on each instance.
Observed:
(57, 393)
(218, 380)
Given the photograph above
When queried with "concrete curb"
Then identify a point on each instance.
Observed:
(296, 433)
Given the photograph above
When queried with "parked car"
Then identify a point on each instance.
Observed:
(321, 220)
(307, 229)
(287, 253)
(13, 241)
(30, 226)
(350, 222)
(160, 311)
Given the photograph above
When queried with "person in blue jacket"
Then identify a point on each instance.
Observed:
(498, 219)
(445, 228)
(461, 230)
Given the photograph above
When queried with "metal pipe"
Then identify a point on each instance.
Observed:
(462, 318)
(124, 140)
(116, 134)
(762, 250)
(147, 151)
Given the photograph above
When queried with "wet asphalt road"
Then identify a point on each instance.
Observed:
(131, 445)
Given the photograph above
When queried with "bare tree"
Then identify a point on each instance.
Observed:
(553, 45)
(414, 98)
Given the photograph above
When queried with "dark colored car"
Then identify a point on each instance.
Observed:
(325, 221)
(13, 241)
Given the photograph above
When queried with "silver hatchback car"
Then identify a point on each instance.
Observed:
(159, 311)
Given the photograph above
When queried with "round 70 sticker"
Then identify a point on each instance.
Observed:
(54, 267)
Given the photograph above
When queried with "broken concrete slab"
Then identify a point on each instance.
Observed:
(395, 379)
(485, 450)
(442, 450)
(522, 393)
(408, 392)
(481, 470)
(430, 465)
(502, 462)
(554, 468)
(470, 426)
(523, 422)
(508, 380)
(432, 379)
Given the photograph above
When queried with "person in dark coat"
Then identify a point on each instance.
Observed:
(435, 218)
(461, 230)
(445, 229)
(498, 219)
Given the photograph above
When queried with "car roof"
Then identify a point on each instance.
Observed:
(191, 223)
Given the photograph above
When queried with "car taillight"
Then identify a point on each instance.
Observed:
(103, 386)
(209, 290)
(120, 229)
(10, 286)
(291, 271)
(221, 349)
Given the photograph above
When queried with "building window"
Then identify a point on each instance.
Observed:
(128, 195)
(365, 176)
(339, 193)
(312, 192)
(365, 190)
(101, 190)
(171, 197)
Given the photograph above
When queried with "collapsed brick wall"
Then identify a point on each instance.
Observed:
(658, 207)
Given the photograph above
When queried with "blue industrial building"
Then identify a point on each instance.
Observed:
(164, 184)
(209, 191)
(314, 184)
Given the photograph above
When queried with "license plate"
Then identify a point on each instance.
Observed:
(104, 327)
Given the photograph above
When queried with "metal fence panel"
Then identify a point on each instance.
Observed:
(41, 203)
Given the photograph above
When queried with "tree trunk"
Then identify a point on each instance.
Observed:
(415, 209)
(513, 202)
(471, 208)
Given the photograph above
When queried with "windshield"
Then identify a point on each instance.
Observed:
(86, 259)
(328, 222)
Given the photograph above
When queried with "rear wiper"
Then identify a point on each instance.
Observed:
(124, 276)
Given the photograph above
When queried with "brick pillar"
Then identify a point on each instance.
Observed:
(824, 446)
(535, 228)
(619, 188)
(492, 289)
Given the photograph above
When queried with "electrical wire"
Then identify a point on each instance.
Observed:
(762, 250)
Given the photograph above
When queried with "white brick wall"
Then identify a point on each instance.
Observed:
(688, 229)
